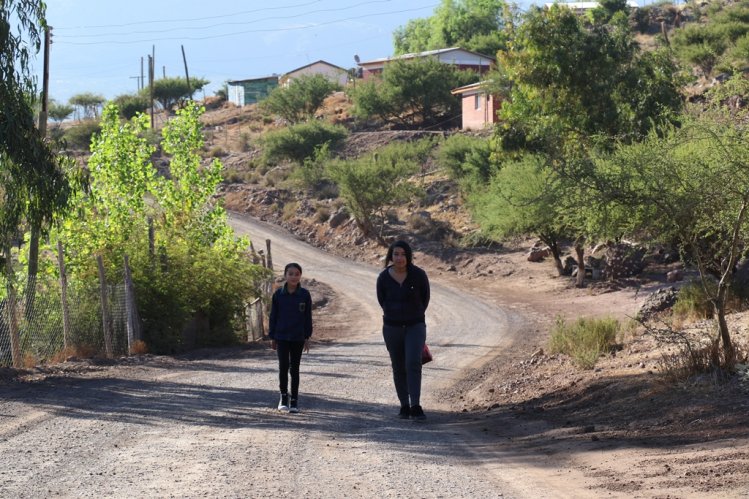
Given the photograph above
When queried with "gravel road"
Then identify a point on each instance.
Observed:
(207, 426)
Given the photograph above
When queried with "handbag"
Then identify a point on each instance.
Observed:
(426, 355)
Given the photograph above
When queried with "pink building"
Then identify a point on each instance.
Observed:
(479, 107)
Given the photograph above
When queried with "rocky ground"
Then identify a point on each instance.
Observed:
(690, 433)
(627, 424)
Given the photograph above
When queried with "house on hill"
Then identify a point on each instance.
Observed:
(463, 59)
(251, 90)
(335, 74)
(479, 108)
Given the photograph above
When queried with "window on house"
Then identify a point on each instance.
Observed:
(477, 101)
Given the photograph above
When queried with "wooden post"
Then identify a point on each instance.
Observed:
(133, 324)
(270, 259)
(151, 241)
(10, 309)
(64, 296)
(105, 308)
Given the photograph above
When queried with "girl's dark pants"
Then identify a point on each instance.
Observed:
(405, 343)
(289, 358)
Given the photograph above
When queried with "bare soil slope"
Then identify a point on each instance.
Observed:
(623, 423)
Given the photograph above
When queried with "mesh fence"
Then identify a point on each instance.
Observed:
(37, 316)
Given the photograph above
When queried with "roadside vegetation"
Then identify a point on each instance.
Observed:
(611, 151)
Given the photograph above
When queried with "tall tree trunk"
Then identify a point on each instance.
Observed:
(580, 253)
(553, 245)
(556, 254)
(725, 337)
(719, 306)
(10, 310)
(32, 271)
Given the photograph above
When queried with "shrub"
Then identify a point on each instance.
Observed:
(465, 157)
(585, 340)
(311, 173)
(300, 142)
(322, 215)
(79, 136)
(130, 105)
(370, 184)
(301, 99)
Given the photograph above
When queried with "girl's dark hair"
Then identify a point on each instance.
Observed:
(292, 265)
(406, 248)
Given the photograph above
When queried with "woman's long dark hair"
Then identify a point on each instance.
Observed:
(406, 248)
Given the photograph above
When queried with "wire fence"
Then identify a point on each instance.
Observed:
(37, 316)
(48, 320)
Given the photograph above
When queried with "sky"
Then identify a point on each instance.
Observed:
(97, 45)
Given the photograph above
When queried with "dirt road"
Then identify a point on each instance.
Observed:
(207, 426)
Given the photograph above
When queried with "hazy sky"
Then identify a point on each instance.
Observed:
(97, 45)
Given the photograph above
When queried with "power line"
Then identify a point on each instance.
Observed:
(269, 30)
(192, 20)
(210, 26)
(222, 16)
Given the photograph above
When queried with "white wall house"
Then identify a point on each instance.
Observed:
(334, 73)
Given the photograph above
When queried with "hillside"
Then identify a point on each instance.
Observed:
(629, 400)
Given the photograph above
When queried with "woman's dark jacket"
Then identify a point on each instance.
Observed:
(403, 304)
(290, 315)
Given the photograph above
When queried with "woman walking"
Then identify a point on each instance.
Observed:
(403, 294)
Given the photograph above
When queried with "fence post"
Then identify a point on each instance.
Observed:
(15, 336)
(131, 308)
(104, 308)
(269, 260)
(63, 296)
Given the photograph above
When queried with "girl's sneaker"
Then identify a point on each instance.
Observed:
(283, 404)
(293, 406)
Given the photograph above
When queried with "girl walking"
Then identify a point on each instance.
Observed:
(290, 330)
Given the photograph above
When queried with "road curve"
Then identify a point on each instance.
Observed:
(208, 427)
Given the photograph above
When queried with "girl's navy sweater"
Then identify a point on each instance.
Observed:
(290, 315)
(403, 304)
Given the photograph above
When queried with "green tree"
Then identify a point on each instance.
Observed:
(89, 103)
(372, 183)
(478, 25)
(59, 112)
(170, 92)
(301, 99)
(569, 82)
(33, 184)
(525, 197)
(198, 266)
(691, 185)
(131, 104)
(571, 89)
(412, 93)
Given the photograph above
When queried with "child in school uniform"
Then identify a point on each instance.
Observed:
(290, 331)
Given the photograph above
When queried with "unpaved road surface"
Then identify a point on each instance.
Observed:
(206, 426)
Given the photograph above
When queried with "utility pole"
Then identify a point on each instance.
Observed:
(34, 222)
(45, 83)
(137, 81)
(151, 78)
(187, 74)
(142, 83)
